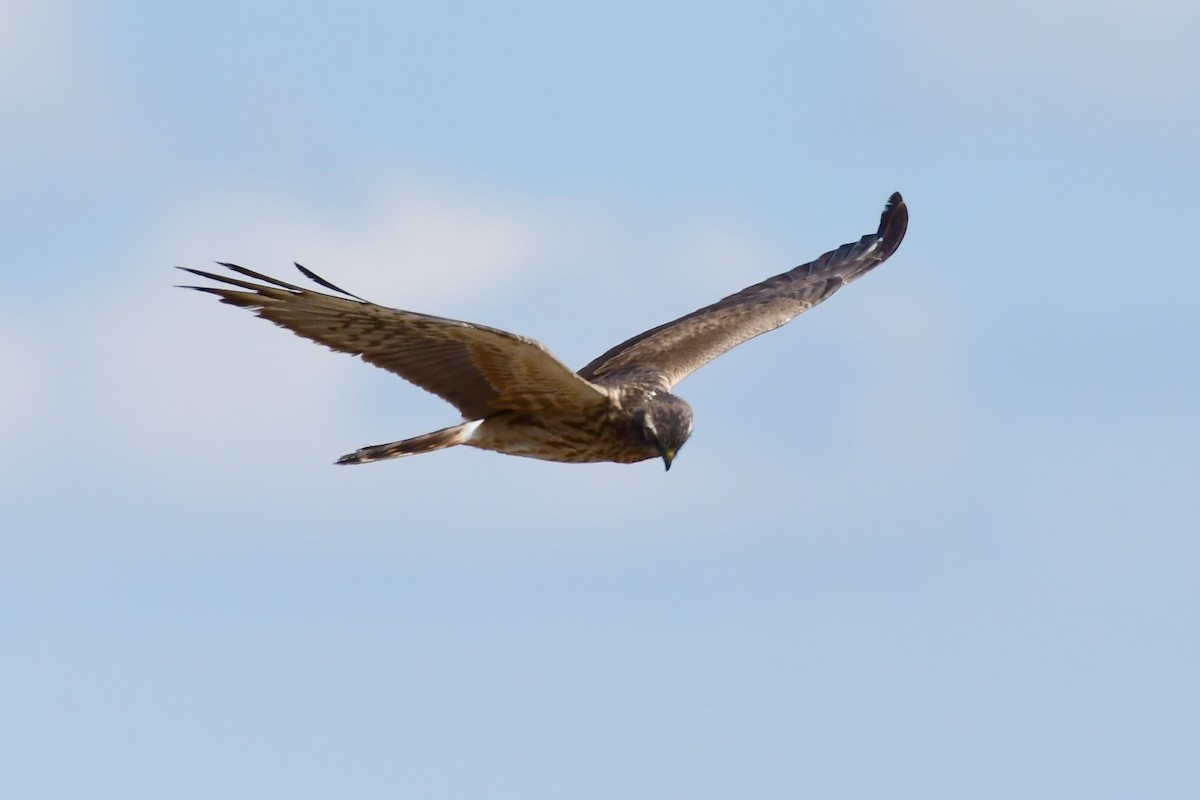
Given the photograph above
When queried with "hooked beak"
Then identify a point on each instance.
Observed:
(668, 456)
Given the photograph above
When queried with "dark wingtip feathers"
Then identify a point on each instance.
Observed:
(315, 278)
(225, 295)
(271, 289)
(893, 223)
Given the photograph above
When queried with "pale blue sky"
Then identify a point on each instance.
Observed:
(937, 538)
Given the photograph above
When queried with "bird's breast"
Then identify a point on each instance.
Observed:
(606, 434)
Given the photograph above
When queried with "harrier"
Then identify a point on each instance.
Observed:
(514, 396)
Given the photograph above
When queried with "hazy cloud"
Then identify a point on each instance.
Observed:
(22, 363)
(52, 81)
(911, 417)
(1072, 51)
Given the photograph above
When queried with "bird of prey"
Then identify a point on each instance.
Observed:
(517, 398)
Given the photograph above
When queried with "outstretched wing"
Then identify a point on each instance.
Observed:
(672, 351)
(480, 370)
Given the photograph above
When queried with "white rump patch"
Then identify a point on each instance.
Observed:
(469, 428)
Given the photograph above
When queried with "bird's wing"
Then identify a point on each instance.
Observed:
(478, 369)
(672, 351)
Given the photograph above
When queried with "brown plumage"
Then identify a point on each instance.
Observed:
(514, 396)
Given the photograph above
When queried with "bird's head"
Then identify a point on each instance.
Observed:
(665, 423)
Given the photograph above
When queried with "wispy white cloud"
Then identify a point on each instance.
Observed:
(419, 240)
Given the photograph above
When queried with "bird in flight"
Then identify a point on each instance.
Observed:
(517, 398)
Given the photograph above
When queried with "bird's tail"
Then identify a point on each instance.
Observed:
(426, 443)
